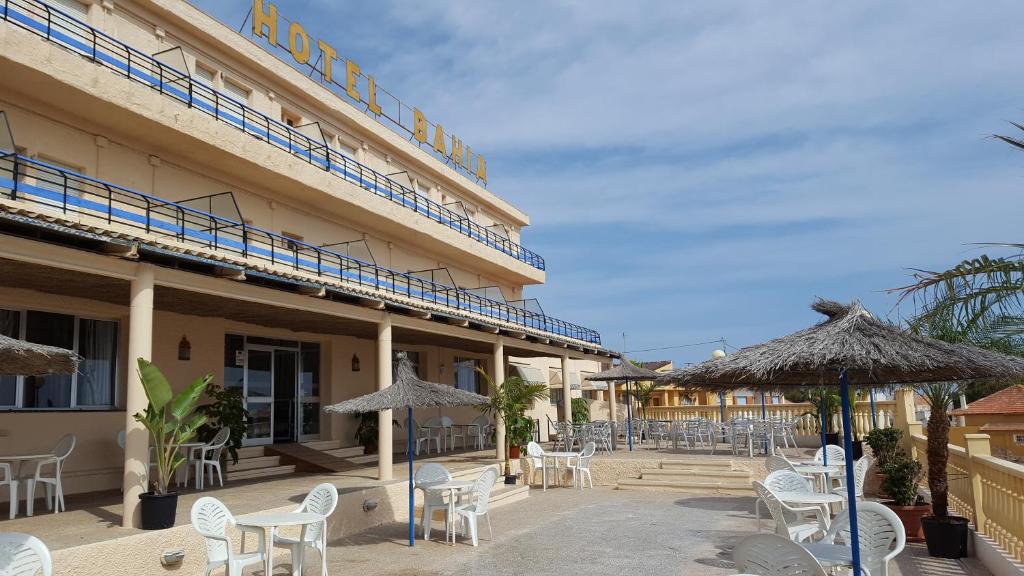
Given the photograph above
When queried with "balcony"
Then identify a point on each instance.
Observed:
(43, 190)
(107, 52)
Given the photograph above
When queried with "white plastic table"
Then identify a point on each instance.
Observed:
(820, 473)
(825, 501)
(452, 487)
(186, 448)
(270, 522)
(556, 456)
(19, 459)
(831, 555)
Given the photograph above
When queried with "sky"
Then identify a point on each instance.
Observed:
(704, 169)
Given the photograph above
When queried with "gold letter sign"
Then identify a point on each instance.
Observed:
(264, 25)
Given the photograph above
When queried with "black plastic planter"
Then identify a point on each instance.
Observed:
(946, 538)
(858, 449)
(158, 510)
(510, 479)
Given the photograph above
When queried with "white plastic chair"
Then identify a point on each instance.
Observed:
(798, 524)
(322, 499)
(7, 479)
(776, 463)
(54, 489)
(836, 455)
(773, 555)
(207, 458)
(581, 465)
(211, 519)
(477, 505)
(860, 472)
(535, 457)
(24, 555)
(426, 433)
(432, 499)
(452, 432)
(480, 430)
(881, 534)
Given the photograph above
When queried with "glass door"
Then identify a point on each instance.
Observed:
(286, 412)
(259, 395)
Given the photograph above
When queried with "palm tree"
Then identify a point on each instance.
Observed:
(510, 401)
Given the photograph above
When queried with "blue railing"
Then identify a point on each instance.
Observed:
(51, 188)
(63, 29)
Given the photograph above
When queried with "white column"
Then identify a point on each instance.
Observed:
(566, 389)
(136, 444)
(611, 401)
(385, 447)
(498, 364)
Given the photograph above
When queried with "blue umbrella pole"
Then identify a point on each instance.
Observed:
(412, 508)
(629, 418)
(874, 416)
(851, 488)
(821, 421)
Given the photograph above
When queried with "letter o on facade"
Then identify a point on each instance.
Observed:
(296, 35)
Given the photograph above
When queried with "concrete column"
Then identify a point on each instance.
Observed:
(905, 415)
(385, 446)
(498, 366)
(611, 401)
(566, 389)
(136, 444)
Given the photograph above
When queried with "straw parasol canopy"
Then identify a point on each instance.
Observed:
(871, 352)
(18, 357)
(408, 391)
(624, 371)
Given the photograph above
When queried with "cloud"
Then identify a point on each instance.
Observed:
(704, 169)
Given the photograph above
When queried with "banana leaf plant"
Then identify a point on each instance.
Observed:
(171, 420)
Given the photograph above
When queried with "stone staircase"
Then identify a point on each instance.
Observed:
(255, 462)
(710, 476)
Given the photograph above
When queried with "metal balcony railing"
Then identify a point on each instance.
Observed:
(63, 29)
(49, 188)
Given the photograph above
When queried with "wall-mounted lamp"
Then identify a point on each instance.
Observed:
(440, 368)
(355, 363)
(184, 349)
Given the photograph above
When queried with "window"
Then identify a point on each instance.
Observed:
(466, 375)
(290, 118)
(205, 75)
(237, 91)
(96, 341)
(234, 361)
(555, 396)
(54, 182)
(72, 8)
(1018, 438)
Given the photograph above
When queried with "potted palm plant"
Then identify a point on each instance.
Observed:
(945, 534)
(171, 421)
(509, 402)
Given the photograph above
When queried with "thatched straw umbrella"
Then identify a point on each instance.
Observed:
(853, 348)
(625, 371)
(408, 392)
(18, 357)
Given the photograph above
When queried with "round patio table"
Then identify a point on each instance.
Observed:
(19, 459)
(556, 456)
(819, 471)
(830, 555)
(271, 521)
(452, 487)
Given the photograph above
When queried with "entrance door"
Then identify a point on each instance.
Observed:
(286, 409)
(259, 395)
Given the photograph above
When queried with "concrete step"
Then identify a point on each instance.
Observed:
(697, 464)
(253, 463)
(251, 452)
(684, 474)
(345, 451)
(690, 486)
(259, 472)
(325, 444)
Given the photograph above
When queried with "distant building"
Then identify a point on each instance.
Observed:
(1001, 416)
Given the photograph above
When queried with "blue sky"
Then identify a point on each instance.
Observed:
(698, 170)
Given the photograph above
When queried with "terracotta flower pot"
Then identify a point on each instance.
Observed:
(513, 452)
(911, 518)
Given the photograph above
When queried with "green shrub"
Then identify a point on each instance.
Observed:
(580, 411)
(885, 443)
(902, 476)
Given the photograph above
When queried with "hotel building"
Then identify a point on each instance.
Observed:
(172, 189)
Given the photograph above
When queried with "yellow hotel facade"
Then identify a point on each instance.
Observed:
(170, 189)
